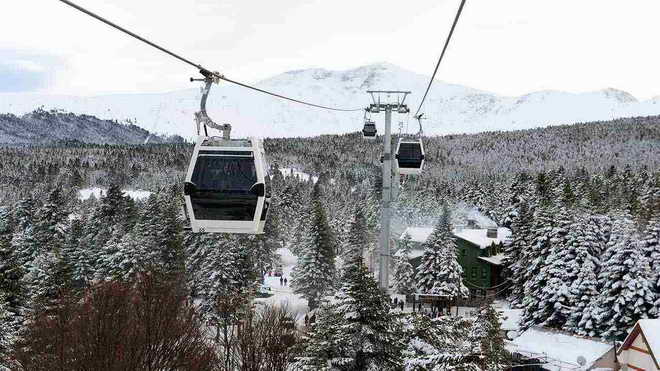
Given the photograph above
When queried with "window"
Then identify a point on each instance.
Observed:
(484, 274)
(223, 188)
(475, 272)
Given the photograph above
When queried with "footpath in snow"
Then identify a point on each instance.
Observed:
(283, 295)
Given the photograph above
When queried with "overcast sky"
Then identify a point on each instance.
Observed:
(509, 47)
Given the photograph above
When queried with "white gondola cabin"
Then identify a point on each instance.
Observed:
(227, 187)
(410, 156)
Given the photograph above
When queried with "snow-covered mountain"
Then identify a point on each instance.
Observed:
(450, 108)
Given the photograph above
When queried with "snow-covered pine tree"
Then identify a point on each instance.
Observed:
(535, 276)
(626, 290)
(651, 246)
(436, 344)
(113, 217)
(439, 272)
(518, 253)
(404, 273)
(488, 341)
(46, 277)
(555, 293)
(77, 254)
(585, 242)
(51, 221)
(584, 293)
(358, 238)
(6, 331)
(169, 237)
(650, 218)
(213, 269)
(355, 331)
(315, 272)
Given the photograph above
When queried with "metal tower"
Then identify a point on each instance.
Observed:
(394, 101)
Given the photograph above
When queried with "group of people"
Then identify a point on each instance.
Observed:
(398, 303)
(283, 281)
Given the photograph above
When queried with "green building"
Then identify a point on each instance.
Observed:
(480, 253)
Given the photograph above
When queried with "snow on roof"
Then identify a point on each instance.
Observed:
(479, 236)
(415, 253)
(558, 346)
(418, 234)
(476, 236)
(651, 330)
(495, 259)
(511, 319)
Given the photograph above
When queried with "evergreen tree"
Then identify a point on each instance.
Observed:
(555, 295)
(486, 335)
(50, 222)
(6, 331)
(534, 276)
(315, 272)
(626, 293)
(214, 268)
(437, 344)
(584, 291)
(355, 331)
(585, 243)
(517, 254)
(439, 272)
(358, 239)
(112, 218)
(404, 273)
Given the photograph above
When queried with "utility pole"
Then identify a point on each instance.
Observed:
(387, 166)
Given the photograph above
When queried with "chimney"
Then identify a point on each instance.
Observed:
(491, 233)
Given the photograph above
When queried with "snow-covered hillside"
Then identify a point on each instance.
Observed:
(450, 108)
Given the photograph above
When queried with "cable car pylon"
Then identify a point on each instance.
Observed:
(386, 106)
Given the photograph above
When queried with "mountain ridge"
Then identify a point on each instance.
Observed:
(46, 127)
(451, 108)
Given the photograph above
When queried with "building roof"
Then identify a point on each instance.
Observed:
(479, 236)
(495, 259)
(418, 234)
(476, 236)
(649, 329)
(558, 346)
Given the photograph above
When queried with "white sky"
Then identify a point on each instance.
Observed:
(509, 47)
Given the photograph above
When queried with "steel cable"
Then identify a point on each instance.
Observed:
(198, 66)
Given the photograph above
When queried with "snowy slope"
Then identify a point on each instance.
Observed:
(450, 108)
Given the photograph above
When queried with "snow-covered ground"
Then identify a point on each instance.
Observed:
(283, 295)
(301, 175)
(136, 194)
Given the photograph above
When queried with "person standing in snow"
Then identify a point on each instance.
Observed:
(281, 281)
(286, 282)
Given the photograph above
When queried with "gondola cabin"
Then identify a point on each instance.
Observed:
(410, 156)
(369, 131)
(227, 188)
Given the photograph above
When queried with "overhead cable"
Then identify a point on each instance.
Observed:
(198, 66)
(444, 49)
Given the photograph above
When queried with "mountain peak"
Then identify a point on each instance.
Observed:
(619, 95)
